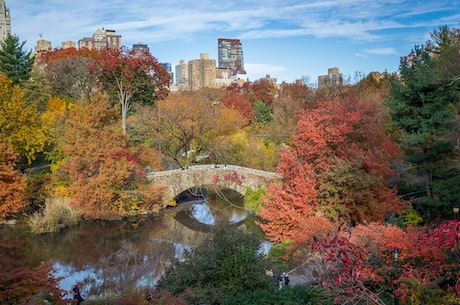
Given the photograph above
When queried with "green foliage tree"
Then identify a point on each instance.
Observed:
(14, 61)
(37, 90)
(227, 264)
(423, 105)
(262, 112)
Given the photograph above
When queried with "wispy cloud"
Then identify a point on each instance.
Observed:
(382, 51)
(261, 70)
(356, 19)
(364, 24)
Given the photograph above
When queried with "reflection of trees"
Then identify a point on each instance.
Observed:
(107, 255)
(14, 243)
(127, 267)
(226, 205)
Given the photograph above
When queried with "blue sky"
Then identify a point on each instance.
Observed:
(288, 39)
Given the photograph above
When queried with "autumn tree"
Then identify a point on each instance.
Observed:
(70, 72)
(240, 104)
(24, 285)
(53, 119)
(20, 123)
(423, 106)
(335, 170)
(15, 63)
(251, 151)
(289, 100)
(131, 77)
(12, 182)
(358, 264)
(262, 90)
(105, 176)
(187, 121)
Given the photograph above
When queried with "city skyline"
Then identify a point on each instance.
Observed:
(287, 39)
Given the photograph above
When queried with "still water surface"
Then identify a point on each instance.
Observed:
(108, 256)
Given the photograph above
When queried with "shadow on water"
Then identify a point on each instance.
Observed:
(106, 256)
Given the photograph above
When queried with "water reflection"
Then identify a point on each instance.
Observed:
(109, 256)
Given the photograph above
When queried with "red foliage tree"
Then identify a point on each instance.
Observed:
(347, 271)
(128, 75)
(22, 285)
(358, 264)
(334, 170)
(262, 90)
(427, 266)
(241, 105)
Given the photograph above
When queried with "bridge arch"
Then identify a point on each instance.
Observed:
(234, 177)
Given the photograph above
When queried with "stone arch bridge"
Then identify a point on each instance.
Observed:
(234, 177)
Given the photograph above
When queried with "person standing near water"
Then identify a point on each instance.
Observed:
(77, 295)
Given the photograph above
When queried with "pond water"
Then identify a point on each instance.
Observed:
(108, 256)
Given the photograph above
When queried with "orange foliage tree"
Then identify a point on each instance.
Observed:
(105, 176)
(334, 171)
(12, 182)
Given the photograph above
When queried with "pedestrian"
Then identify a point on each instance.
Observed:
(286, 279)
(77, 295)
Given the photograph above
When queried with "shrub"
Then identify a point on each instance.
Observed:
(57, 214)
(296, 295)
(227, 264)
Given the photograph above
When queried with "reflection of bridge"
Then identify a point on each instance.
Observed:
(234, 177)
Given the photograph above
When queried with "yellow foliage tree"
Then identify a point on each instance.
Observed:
(20, 122)
(54, 122)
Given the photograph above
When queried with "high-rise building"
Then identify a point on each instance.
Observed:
(201, 72)
(5, 21)
(230, 55)
(168, 69)
(140, 48)
(182, 75)
(43, 45)
(332, 79)
(68, 44)
(101, 39)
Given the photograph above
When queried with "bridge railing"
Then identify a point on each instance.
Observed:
(217, 167)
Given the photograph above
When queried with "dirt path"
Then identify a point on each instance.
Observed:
(303, 274)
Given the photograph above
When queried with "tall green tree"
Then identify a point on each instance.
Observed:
(14, 61)
(423, 106)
